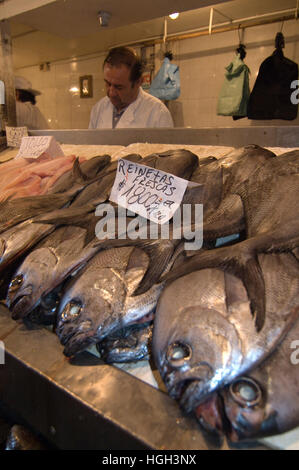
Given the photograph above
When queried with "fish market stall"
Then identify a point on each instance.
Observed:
(118, 406)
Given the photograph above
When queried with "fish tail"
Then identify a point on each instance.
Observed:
(160, 255)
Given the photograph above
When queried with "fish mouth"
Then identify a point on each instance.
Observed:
(76, 338)
(78, 343)
(21, 305)
(211, 416)
(192, 395)
(191, 388)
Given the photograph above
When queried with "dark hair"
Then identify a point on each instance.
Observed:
(128, 57)
(25, 95)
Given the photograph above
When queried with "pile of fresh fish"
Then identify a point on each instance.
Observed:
(220, 323)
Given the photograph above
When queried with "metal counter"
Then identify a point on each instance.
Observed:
(271, 136)
(88, 405)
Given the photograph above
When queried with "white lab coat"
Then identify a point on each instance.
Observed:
(145, 111)
(29, 115)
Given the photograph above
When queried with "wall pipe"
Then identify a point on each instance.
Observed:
(229, 26)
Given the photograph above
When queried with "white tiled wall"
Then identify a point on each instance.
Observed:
(202, 64)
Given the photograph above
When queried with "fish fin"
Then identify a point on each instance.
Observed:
(160, 253)
(253, 279)
(80, 181)
(77, 171)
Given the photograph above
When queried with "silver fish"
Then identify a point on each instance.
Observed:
(265, 401)
(45, 267)
(272, 225)
(207, 337)
(223, 207)
(98, 302)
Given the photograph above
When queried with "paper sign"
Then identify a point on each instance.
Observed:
(149, 192)
(14, 135)
(35, 146)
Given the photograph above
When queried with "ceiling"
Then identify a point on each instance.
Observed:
(76, 18)
(65, 29)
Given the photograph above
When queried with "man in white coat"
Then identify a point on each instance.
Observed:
(127, 104)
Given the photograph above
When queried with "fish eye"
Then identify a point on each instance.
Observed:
(16, 282)
(246, 392)
(71, 310)
(178, 353)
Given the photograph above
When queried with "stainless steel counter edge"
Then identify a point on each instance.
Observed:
(85, 404)
(270, 136)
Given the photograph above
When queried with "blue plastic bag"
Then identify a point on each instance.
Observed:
(166, 84)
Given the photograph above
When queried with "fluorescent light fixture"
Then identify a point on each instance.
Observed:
(174, 16)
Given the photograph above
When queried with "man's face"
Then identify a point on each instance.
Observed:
(120, 89)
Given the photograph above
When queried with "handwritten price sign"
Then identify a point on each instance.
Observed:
(149, 192)
(35, 146)
(14, 135)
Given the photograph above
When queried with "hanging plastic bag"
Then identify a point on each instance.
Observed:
(235, 92)
(166, 84)
(271, 94)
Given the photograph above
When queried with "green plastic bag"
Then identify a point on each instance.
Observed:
(235, 92)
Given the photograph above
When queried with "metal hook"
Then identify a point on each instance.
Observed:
(239, 27)
(241, 35)
(165, 33)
